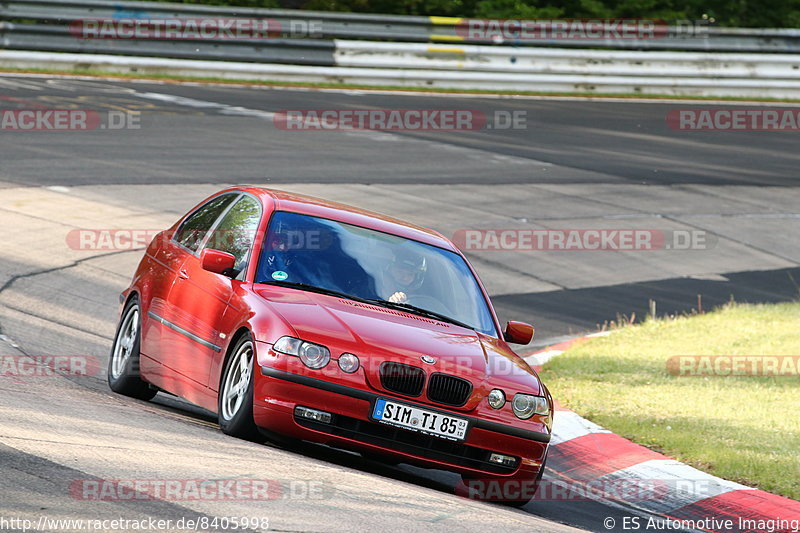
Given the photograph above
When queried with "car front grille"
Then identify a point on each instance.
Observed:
(402, 379)
(448, 390)
(408, 442)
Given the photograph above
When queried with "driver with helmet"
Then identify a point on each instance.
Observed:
(406, 273)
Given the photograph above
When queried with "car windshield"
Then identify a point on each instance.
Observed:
(315, 253)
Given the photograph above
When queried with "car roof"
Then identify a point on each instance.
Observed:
(310, 205)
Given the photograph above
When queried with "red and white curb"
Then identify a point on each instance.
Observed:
(585, 454)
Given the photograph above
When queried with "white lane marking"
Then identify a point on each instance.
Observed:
(243, 111)
(14, 84)
(568, 425)
(704, 215)
(372, 135)
(8, 340)
(80, 85)
(68, 85)
(224, 109)
(709, 277)
(541, 358)
(672, 484)
(598, 334)
(178, 100)
(357, 92)
(15, 81)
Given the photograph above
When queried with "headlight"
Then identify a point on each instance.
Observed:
(526, 405)
(312, 355)
(348, 363)
(496, 398)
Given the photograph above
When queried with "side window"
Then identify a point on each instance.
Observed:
(237, 230)
(194, 229)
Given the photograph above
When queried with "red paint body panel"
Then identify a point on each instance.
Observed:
(275, 404)
(191, 316)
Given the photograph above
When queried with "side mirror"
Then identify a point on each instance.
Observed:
(518, 332)
(216, 261)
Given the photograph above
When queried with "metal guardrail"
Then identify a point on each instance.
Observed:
(60, 39)
(472, 58)
(328, 25)
(400, 51)
(420, 78)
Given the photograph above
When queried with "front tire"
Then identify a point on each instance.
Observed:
(512, 492)
(235, 400)
(378, 458)
(124, 376)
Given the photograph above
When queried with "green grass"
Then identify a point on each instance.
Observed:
(329, 85)
(744, 429)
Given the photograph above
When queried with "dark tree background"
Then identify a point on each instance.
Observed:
(741, 13)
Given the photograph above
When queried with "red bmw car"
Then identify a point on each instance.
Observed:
(294, 317)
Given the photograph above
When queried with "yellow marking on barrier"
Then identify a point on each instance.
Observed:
(436, 37)
(444, 50)
(445, 21)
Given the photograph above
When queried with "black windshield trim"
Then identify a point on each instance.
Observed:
(415, 310)
(313, 288)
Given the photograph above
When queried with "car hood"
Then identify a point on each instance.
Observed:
(377, 334)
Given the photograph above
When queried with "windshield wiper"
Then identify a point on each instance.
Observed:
(420, 311)
(313, 288)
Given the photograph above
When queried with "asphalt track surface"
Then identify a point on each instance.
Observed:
(575, 165)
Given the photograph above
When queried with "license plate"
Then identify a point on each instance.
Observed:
(420, 420)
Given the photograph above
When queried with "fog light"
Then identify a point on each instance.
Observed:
(500, 459)
(348, 363)
(496, 398)
(313, 414)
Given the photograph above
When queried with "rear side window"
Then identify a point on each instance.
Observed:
(194, 229)
(237, 230)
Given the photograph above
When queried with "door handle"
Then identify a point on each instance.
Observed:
(183, 274)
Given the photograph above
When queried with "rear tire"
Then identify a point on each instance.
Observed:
(235, 399)
(124, 376)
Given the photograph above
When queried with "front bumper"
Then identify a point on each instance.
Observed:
(278, 392)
